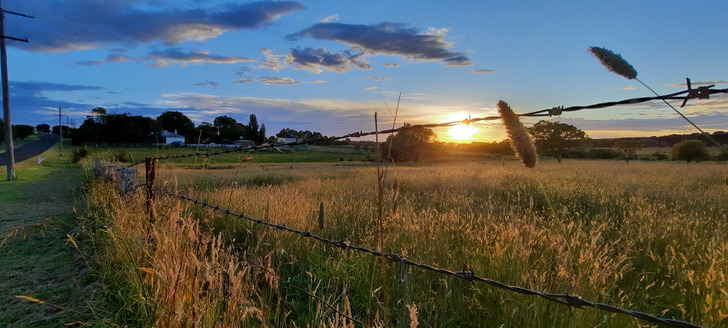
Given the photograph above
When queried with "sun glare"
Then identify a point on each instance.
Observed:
(461, 132)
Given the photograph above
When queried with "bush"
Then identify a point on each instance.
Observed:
(690, 150)
(79, 154)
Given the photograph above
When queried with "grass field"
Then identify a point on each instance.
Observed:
(651, 237)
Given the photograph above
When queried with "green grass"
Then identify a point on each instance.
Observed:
(37, 258)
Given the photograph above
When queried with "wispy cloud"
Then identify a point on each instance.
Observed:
(371, 88)
(284, 81)
(77, 24)
(391, 65)
(390, 39)
(483, 71)
(332, 18)
(272, 61)
(162, 58)
(210, 83)
(695, 84)
(379, 78)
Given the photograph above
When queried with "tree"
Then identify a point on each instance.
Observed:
(43, 128)
(409, 144)
(261, 135)
(228, 129)
(553, 138)
(690, 150)
(628, 147)
(22, 131)
(100, 111)
(174, 121)
(251, 130)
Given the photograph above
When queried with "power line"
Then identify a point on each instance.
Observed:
(704, 93)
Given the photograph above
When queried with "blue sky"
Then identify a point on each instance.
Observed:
(329, 65)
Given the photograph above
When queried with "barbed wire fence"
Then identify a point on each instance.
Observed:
(570, 300)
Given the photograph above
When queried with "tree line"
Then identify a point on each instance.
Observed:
(554, 139)
(104, 127)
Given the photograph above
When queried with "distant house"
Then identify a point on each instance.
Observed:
(170, 138)
(285, 140)
(244, 143)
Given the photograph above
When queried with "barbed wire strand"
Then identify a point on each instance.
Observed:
(555, 111)
(469, 275)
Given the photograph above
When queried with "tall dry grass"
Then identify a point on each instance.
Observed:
(649, 236)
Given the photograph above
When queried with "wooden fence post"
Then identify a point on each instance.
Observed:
(150, 165)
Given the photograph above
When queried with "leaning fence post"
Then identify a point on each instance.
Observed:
(150, 175)
(321, 216)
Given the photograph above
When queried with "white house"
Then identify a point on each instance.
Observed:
(170, 138)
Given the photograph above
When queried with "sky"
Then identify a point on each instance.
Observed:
(328, 66)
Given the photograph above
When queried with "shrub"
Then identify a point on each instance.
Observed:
(690, 150)
(79, 154)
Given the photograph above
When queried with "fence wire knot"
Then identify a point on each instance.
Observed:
(556, 111)
(576, 301)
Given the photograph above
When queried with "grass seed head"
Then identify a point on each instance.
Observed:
(614, 62)
(520, 139)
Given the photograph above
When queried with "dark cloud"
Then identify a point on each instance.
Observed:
(388, 39)
(210, 83)
(80, 24)
(391, 65)
(483, 71)
(317, 60)
(379, 78)
(243, 81)
(162, 58)
(40, 87)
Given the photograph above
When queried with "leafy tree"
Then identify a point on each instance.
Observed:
(300, 135)
(228, 129)
(174, 121)
(22, 131)
(66, 130)
(553, 138)
(100, 111)
(206, 132)
(409, 144)
(251, 130)
(690, 150)
(261, 135)
(628, 147)
(117, 129)
(43, 128)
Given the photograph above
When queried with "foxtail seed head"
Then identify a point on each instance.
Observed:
(520, 139)
(614, 62)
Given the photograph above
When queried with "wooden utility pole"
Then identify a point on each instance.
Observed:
(6, 93)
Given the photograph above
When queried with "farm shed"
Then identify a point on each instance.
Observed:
(170, 138)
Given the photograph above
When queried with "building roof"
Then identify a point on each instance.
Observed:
(168, 134)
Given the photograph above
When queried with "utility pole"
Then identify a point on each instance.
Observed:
(6, 92)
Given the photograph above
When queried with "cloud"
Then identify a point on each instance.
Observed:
(391, 65)
(272, 61)
(390, 39)
(243, 81)
(278, 80)
(371, 88)
(79, 24)
(695, 84)
(162, 58)
(317, 60)
(41, 87)
(379, 78)
(483, 71)
(210, 83)
(332, 18)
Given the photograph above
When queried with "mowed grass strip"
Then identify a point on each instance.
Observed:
(44, 279)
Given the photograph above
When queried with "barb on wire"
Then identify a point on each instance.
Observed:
(469, 275)
(704, 93)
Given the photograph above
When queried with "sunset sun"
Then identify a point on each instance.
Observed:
(461, 132)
